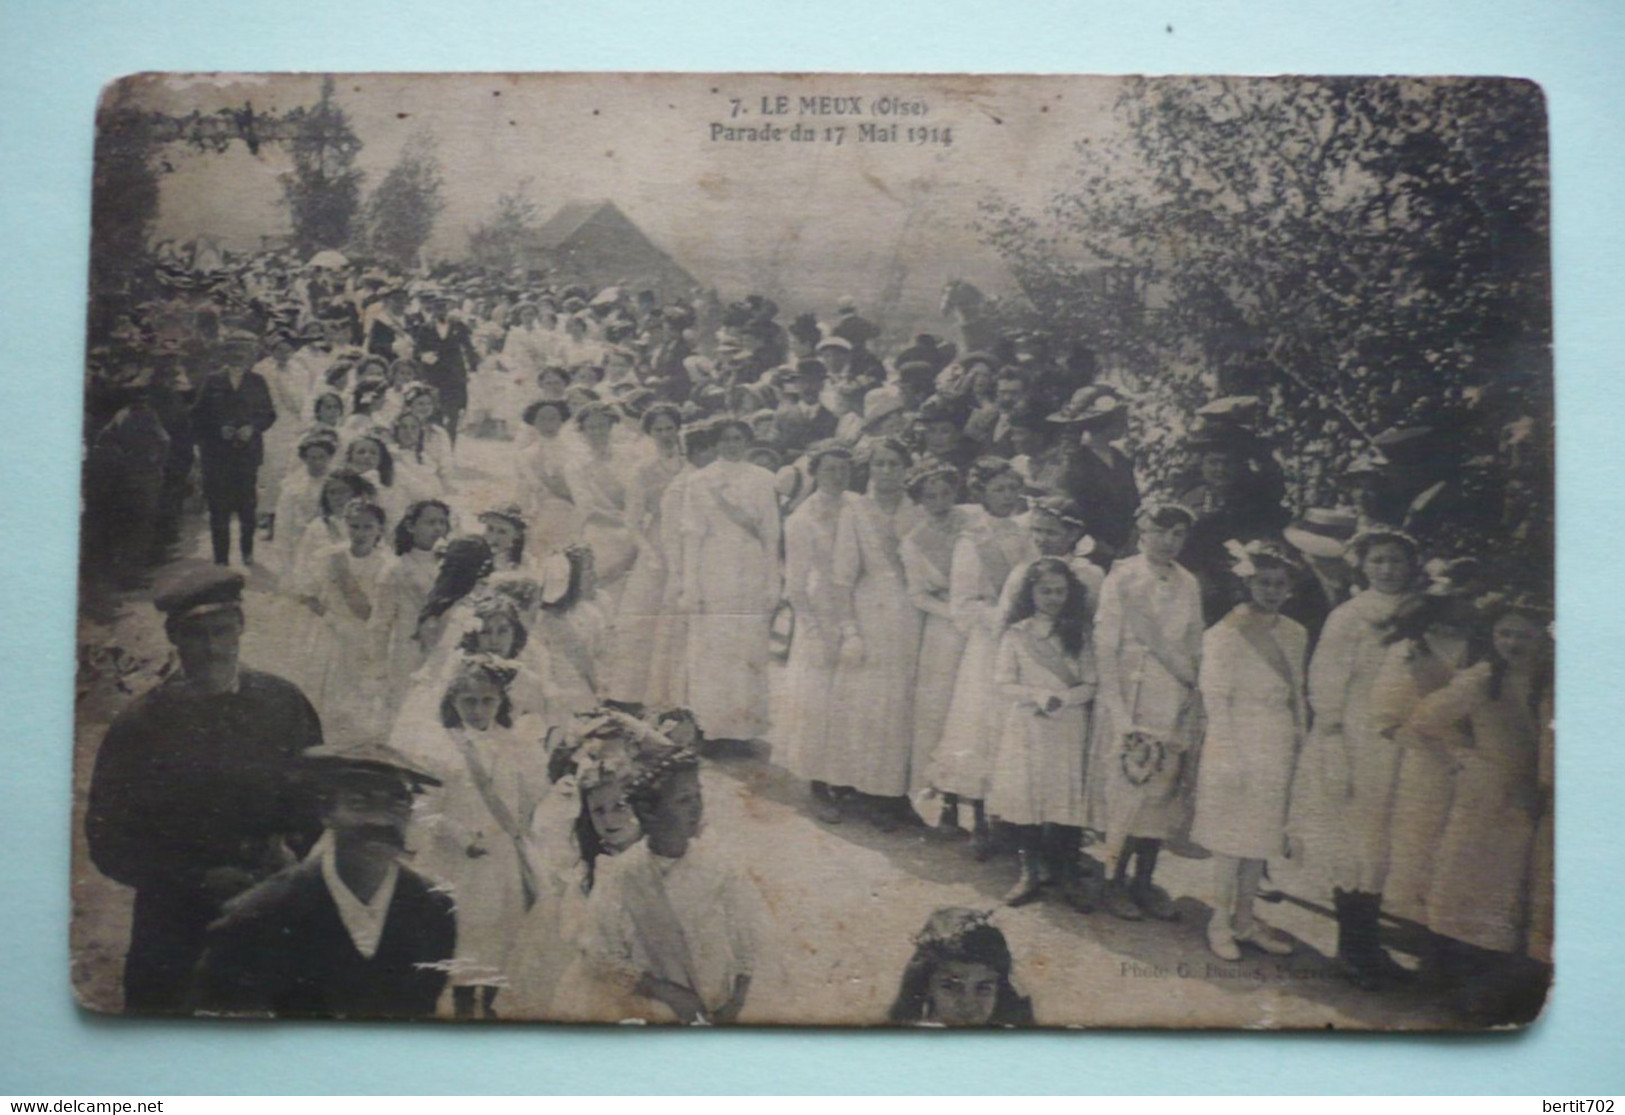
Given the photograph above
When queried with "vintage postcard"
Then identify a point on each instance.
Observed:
(852, 550)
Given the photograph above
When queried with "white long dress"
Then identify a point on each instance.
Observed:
(809, 558)
(345, 686)
(732, 586)
(488, 888)
(280, 441)
(544, 493)
(984, 555)
(668, 637)
(630, 658)
(1144, 790)
(696, 920)
(1038, 766)
(1493, 867)
(1344, 818)
(604, 493)
(1427, 777)
(1252, 693)
(870, 740)
(298, 505)
(928, 554)
(403, 589)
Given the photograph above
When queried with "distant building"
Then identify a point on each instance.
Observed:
(595, 244)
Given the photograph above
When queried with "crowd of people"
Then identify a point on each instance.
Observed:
(988, 633)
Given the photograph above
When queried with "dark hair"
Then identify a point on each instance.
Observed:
(982, 472)
(386, 463)
(981, 945)
(1415, 617)
(661, 410)
(516, 551)
(368, 508)
(316, 405)
(655, 776)
(489, 608)
(698, 439)
(578, 556)
(360, 487)
(1540, 683)
(723, 424)
(894, 446)
(476, 670)
(1072, 625)
(403, 529)
(466, 562)
(539, 405)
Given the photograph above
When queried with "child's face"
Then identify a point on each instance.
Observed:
(1049, 594)
(552, 385)
(1002, 496)
(612, 816)
(316, 460)
(477, 702)
(423, 408)
(664, 432)
(1516, 639)
(596, 429)
(500, 536)
(407, 429)
(548, 421)
(329, 411)
(1162, 544)
(731, 443)
(429, 527)
(1388, 568)
(497, 636)
(963, 993)
(938, 495)
(1053, 537)
(364, 534)
(337, 495)
(1270, 587)
(834, 474)
(940, 437)
(886, 471)
(363, 455)
(678, 817)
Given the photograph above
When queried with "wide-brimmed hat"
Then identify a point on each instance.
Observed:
(365, 756)
(880, 403)
(1322, 532)
(1090, 407)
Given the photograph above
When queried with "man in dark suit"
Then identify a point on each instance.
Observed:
(445, 349)
(229, 420)
(350, 932)
(802, 419)
(192, 799)
(668, 373)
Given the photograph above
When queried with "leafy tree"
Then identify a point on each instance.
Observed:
(401, 212)
(323, 191)
(124, 197)
(496, 242)
(1358, 252)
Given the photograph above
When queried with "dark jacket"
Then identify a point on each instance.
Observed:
(182, 784)
(219, 404)
(282, 949)
(453, 359)
(1107, 494)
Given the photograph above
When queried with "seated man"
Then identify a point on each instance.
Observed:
(350, 931)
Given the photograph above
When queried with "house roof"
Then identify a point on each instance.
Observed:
(568, 221)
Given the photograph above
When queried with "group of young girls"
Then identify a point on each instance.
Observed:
(957, 650)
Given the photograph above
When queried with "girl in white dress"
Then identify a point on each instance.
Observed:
(1492, 866)
(344, 686)
(415, 475)
(668, 672)
(403, 590)
(730, 569)
(1148, 646)
(631, 654)
(1046, 680)
(1253, 693)
(600, 482)
(674, 924)
(870, 735)
(993, 544)
(475, 833)
(809, 558)
(423, 400)
(299, 502)
(366, 454)
(1427, 644)
(288, 399)
(928, 554)
(1343, 794)
(505, 532)
(539, 475)
(572, 633)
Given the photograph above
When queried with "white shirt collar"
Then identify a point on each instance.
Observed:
(364, 921)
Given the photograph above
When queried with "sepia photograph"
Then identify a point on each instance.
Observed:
(936, 551)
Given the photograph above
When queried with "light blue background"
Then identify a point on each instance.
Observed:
(55, 56)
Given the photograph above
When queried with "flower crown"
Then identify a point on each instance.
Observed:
(1244, 559)
(947, 929)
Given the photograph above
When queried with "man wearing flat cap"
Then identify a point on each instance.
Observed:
(192, 800)
(350, 931)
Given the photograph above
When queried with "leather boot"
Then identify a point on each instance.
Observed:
(1381, 965)
(1027, 885)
